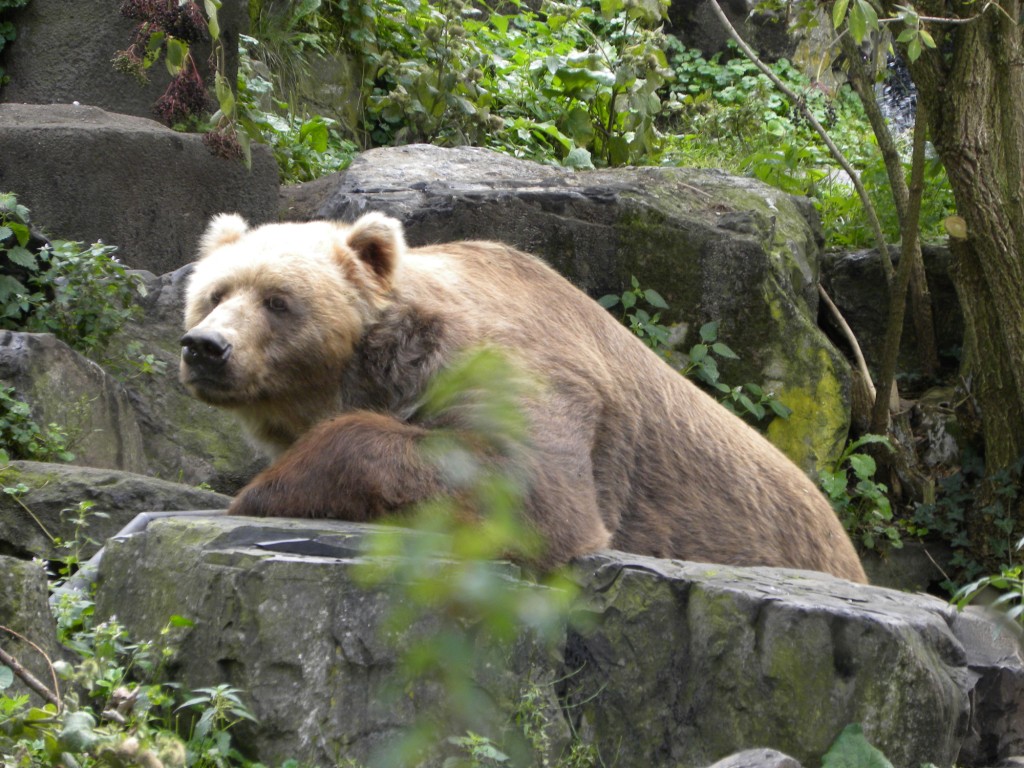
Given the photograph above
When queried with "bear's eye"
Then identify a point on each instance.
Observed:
(277, 304)
(216, 298)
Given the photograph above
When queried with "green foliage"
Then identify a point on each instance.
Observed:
(970, 494)
(8, 33)
(305, 148)
(22, 438)
(747, 400)
(106, 716)
(860, 501)
(852, 750)
(446, 577)
(93, 296)
(578, 83)
(81, 294)
(169, 29)
(641, 322)
(1009, 583)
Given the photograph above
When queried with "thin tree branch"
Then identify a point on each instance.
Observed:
(898, 293)
(858, 355)
(33, 682)
(924, 325)
(800, 104)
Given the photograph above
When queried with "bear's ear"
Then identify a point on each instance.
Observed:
(378, 242)
(224, 228)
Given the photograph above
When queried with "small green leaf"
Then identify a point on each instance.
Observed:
(723, 350)
(857, 23)
(212, 6)
(6, 677)
(709, 332)
(839, 13)
(579, 159)
(225, 96)
(175, 56)
(863, 465)
(608, 300)
(914, 49)
(500, 22)
(654, 299)
(852, 750)
(23, 257)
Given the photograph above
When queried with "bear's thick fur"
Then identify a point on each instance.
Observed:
(322, 337)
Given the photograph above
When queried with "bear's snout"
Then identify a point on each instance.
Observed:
(205, 351)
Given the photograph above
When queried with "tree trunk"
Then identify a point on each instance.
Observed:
(973, 87)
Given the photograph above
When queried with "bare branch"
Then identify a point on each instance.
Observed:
(848, 333)
(33, 682)
(800, 104)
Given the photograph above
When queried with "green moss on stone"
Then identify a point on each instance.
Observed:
(814, 434)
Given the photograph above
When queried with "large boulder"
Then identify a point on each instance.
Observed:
(765, 28)
(717, 247)
(92, 175)
(664, 663)
(856, 282)
(27, 629)
(38, 509)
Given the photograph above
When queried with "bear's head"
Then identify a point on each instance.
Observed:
(273, 313)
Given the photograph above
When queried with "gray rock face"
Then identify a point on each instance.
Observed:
(92, 175)
(27, 529)
(716, 247)
(767, 31)
(63, 53)
(996, 664)
(23, 609)
(856, 283)
(665, 663)
(67, 389)
(757, 758)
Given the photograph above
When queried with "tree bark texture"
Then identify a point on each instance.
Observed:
(973, 87)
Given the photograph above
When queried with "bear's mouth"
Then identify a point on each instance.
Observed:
(211, 388)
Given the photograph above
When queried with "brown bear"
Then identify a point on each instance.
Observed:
(323, 336)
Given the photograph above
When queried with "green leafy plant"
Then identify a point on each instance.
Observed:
(1009, 584)
(221, 709)
(305, 148)
(746, 400)
(107, 716)
(477, 609)
(967, 495)
(170, 29)
(645, 324)
(851, 748)
(8, 32)
(22, 438)
(93, 296)
(861, 501)
(80, 293)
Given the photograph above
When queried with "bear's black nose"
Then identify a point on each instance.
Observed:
(205, 350)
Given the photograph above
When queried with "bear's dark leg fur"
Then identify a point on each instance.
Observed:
(354, 467)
